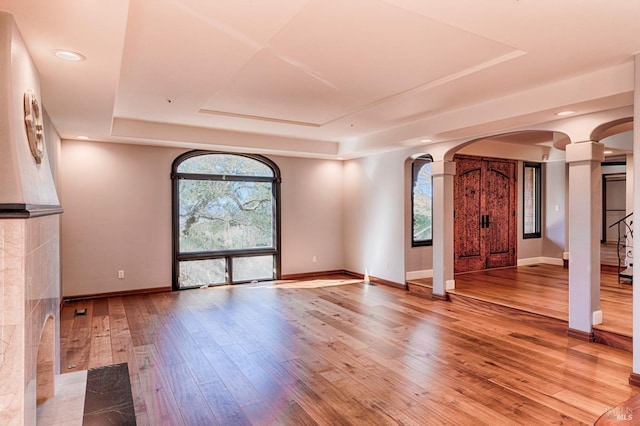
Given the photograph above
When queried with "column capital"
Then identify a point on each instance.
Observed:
(439, 168)
(584, 151)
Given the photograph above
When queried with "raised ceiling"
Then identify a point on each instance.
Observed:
(324, 78)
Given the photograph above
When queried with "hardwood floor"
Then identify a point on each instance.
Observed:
(349, 354)
(543, 289)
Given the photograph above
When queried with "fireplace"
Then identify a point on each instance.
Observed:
(29, 237)
(29, 323)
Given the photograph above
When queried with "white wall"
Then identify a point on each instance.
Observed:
(375, 215)
(22, 180)
(117, 216)
(312, 208)
(555, 209)
(117, 201)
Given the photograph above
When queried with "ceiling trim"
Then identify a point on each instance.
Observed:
(434, 83)
(259, 118)
(228, 139)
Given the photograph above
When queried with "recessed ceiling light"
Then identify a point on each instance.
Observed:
(426, 140)
(84, 138)
(68, 55)
(565, 113)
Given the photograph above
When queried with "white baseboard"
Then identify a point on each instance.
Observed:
(542, 259)
(416, 275)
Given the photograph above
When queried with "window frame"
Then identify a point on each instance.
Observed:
(416, 165)
(228, 255)
(537, 207)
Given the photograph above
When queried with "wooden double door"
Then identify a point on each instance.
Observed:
(485, 213)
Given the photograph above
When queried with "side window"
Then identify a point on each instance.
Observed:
(421, 196)
(532, 200)
(225, 219)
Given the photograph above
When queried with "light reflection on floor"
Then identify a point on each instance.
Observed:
(319, 283)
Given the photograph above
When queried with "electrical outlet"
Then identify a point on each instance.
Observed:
(121, 274)
(314, 259)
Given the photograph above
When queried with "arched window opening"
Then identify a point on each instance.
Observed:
(421, 198)
(225, 219)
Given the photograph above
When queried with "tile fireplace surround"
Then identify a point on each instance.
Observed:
(29, 320)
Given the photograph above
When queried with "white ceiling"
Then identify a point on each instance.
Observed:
(324, 78)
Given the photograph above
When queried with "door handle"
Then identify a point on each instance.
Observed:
(482, 224)
(486, 221)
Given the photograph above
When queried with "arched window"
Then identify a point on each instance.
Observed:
(421, 196)
(225, 219)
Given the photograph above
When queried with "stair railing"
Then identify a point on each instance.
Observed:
(624, 247)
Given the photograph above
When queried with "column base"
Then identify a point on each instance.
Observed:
(586, 336)
(440, 297)
(634, 379)
(596, 317)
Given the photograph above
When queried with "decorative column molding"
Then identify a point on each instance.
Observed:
(584, 151)
(585, 191)
(442, 173)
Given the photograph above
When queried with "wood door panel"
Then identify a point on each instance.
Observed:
(485, 203)
(500, 208)
(469, 196)
(468, 234)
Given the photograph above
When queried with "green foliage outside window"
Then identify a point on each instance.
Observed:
(422, 195)
(225, 215)
(225, 218)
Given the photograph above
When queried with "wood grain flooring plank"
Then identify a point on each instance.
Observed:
(77, 349)
(100, 307)
(142, 325)
(121, 341)
(100, 353)
(168, 343)
(342, 403)
(311, 402)
(236, 382)
(193, 408)
(223, 405)
(160, 402)
(565, 411)
(284, 413)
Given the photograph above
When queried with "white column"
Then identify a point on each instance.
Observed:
(635, 375)
(585, 205)
(442, 173)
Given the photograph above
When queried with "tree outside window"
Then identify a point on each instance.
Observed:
(421, 199)
(225, 219)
